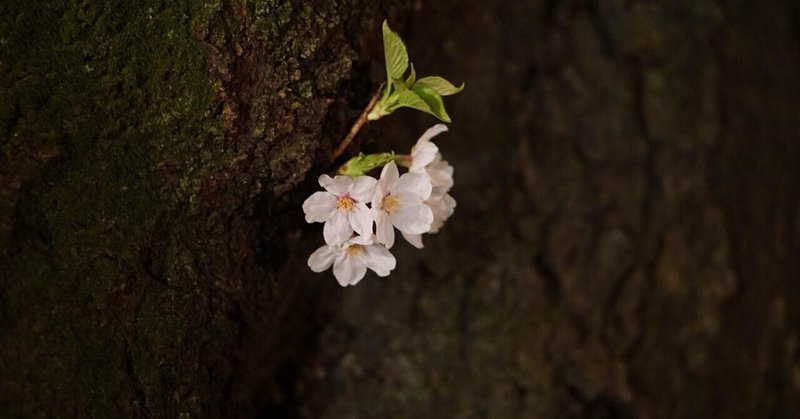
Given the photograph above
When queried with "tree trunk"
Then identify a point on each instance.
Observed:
(626, 241)
(151, 157)
(625, 244)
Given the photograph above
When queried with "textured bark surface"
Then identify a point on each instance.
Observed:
(149, 152)
(625, 244)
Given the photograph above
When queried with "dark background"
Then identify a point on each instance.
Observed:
(626, 242)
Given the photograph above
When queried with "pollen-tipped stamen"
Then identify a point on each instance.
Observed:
(355, 250)
(390, 203)
(345, 202)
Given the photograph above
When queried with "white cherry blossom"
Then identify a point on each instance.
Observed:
(440, 172)
(399, 201)
(342, 207)
(424, 151)
(415, 203)
(351, 260)
(426, 158)
(442, 205)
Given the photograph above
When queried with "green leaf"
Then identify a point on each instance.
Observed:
(399, 85)
(409, 99)
(395, 52)
(380, 109)
(433, 100)
(439, 85)
(411, 77)
(364, 163)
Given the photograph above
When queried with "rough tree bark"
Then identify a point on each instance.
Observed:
(625, 244)
(149, 154)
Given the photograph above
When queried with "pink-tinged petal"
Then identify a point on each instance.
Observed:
(323, 258)
(415, 219)
(379, 259)
(337, 185)
(337, 229)
(422, 155)
(414, 239)
(363, 188)
(349, 270)
(319, 207)
(413, 183)
(389, 176)
(360, 218)
(384, 229)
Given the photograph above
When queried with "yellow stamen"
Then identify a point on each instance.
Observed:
(355, 250)
(345, 203)
(390, 203)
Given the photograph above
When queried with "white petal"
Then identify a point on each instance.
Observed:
(362, 188)
(319, 207)
(441, 173)
(360, 219)
(432, 132)
(404, 199)
(437, 193)
(349, 270)
(337, 185)
(442, 209)
(384, 229)
(377, 197)
(337, 229)
(379, 259)
(325, 181)
(363, 240)
(436, 225)
(323, 258)
(413, 183)
(422, 154)
(414, 239)
(413, 219)
(389, 176)
(450, 204)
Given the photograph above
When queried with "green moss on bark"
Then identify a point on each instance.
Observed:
(137, 138)
(101, 94)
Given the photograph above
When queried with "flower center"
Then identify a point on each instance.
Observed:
(345, 203)
(390, 203)
(355, 250)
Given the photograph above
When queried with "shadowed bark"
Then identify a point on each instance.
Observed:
(626, 238)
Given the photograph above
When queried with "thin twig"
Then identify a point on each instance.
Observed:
(362, 119)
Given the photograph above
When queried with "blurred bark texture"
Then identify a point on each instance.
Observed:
(626, 242)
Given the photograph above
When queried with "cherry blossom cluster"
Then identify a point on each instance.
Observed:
(361, 213)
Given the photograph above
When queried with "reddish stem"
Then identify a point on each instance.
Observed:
(362, 119)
